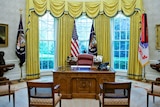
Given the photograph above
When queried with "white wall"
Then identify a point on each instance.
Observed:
(152, 8)
(10, 14)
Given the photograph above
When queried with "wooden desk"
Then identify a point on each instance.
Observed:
(78, 83)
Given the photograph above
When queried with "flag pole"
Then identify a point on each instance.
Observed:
(21, 78)
(144, 75)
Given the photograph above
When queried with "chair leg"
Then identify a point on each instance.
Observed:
(147, 99)
(13, 100)
(60, 103)
(9, 97)
(153, 99)
(99, 103)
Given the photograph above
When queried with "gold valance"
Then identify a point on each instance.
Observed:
(91, 8)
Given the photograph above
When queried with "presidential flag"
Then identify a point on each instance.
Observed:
(74, 43)
(20, 43)
(92, 49)
(143, 49)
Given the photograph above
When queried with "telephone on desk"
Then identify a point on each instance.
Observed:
(103, 66)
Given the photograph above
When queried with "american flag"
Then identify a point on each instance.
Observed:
(20, 43)
(143, 49)
(74, 43)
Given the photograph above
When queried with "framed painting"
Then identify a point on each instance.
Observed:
(158, 37)
(3, 35)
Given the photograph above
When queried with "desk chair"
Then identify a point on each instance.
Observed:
(114, 94)
(43, 94)
(85, 59)
(5, 89)
(154, 91)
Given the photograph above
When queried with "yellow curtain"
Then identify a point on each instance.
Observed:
(64, 38)
(75, 8)
(102, 30)
(57, 8)
(134, 69)
(32, 66)
(111, 7)
(92, 8)
(128, 6)
(66, 11)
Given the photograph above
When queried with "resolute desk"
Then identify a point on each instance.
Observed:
(81, 82)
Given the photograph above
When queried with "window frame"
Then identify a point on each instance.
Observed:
(54, 31)
(78, 21)
(113, 45)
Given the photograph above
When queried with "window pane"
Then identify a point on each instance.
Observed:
(122, 45)
(124, 24)
(122, 65)
(117, 24)
(83, 46)
(116, 37)
(116, 45)
(116, 64)
(123, 36)
(122, 54)
(116, 54)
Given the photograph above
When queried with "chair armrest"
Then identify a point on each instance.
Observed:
(6, 81)
(2, 78)
(101, 88)
(7, 67)
(56, 87)
(154, 83)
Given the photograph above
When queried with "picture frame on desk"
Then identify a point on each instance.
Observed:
(3, 35)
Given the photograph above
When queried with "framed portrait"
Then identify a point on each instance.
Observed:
(3, 35)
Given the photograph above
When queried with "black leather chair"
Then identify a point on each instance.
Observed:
(3, 66)
(85, 59)
(154, 90)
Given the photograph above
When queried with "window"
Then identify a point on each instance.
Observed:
(83, 25)
(120, 40)
(47, 42)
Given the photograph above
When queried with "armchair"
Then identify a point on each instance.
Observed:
(85, 59)
(3, 66)
(114, 94)
(5, 89)
(43, 94)
(154, 91)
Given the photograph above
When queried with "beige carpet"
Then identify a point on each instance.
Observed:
(138, 96)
